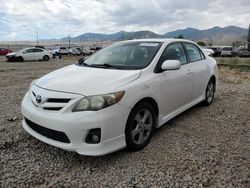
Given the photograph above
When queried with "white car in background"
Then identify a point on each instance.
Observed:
(227, 51)
(87, 51)
(209, 52)
(64, 50)
(30, 54)
(74, 51)
(55, 50)
(117, 97)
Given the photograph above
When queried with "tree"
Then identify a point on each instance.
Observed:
(237, 44)
(201, 43)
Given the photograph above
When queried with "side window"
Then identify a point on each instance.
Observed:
(29, 50)
(194, 52)
(174, 52)
(38, 50)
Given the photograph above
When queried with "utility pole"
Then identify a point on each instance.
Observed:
(69, 39)
(37, 43)
(248, 39)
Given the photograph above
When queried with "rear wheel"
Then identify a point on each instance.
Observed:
(210, 90)
(45, 58)
(140, 126)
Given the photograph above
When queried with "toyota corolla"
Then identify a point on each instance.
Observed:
(117, 97)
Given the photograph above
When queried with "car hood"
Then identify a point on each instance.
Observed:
(87, 80)
(12, 53)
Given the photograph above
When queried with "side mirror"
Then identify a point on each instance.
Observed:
(171, 65)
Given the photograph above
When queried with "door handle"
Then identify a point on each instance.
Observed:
(189, 72)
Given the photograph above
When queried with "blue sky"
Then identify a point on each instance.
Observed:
(20, 19)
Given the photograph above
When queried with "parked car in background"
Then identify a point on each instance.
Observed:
(227, 51)
(64, 50)
(117, 97)
(74, 51)
(40, 47)
(243, 52)
(4, 51)
(217, 51)
(79, 49)
(97, 48)
(87, 51)
(30, 54)
(208, 51)
(54, 50)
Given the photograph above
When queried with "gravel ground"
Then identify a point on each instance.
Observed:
(203, 147)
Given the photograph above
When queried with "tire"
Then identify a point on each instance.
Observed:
(20, 59)
(45, 58)
(210, 90)
(140, 126)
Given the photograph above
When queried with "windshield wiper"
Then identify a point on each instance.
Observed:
(82, 62)
(106, 65)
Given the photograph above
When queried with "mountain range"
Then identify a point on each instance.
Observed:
(216, 35)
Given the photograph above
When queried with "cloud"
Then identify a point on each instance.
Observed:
(57, 18)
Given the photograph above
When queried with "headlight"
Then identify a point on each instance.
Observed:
(98, 102)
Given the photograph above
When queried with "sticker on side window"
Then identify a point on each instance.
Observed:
(148, 44)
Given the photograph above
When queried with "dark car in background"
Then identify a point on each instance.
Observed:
(4, 51)
(217, 51)
(243, 52)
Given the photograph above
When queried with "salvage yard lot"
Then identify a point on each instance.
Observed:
(204, 146)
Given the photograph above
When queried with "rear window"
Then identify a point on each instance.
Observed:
(194, 53)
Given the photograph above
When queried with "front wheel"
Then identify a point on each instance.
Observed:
(210, 90)
(20, 59)
(140, 126)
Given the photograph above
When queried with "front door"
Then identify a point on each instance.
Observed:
(176, 85)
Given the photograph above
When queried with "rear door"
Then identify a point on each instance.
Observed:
(199, 67)
(38, 54)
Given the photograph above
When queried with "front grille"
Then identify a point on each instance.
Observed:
(49, 133)
(55, 100)
(52, 108)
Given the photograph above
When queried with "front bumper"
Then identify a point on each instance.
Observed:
(11, 58)
(76, 125)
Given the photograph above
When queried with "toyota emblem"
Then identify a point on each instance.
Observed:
(38, 99)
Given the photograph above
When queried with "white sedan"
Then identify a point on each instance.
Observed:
(30, 54)
(117, 97)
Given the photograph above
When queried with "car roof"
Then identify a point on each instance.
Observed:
(168, 40)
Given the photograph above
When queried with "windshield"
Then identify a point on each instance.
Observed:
(132, 55)
(22, 50)
(227, 49)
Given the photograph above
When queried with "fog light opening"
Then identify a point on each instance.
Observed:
(94, 136)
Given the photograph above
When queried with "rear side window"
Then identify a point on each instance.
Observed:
(174, 52)
(38, 50)
(194, 53)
